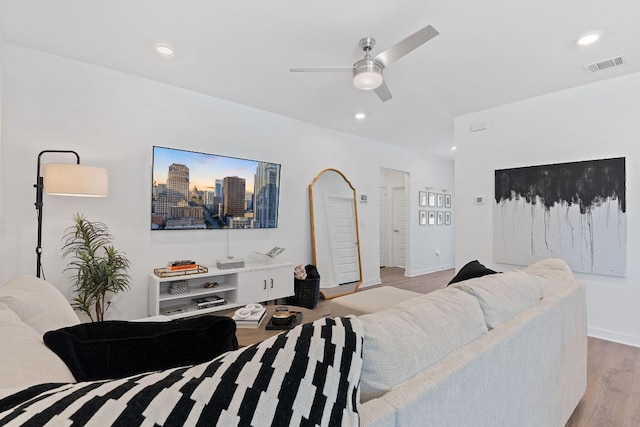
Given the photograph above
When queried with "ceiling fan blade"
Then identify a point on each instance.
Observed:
(328, 68)
(405, 46)
(383, 92)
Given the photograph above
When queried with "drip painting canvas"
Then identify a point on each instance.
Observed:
(574, 211)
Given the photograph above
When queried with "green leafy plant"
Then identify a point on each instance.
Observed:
(99, 268)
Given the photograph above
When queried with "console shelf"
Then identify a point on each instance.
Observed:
(238, 286)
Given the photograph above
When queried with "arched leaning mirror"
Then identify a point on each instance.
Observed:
(334, 233)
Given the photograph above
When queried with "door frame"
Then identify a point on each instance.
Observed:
(390, 178)
(394, 218)
(384, 234)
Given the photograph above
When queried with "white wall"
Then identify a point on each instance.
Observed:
(1, 104)
(426, 240)
(588, 122)
(431, 248)
(112, 120)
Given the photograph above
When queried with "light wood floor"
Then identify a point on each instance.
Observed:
(612, 398)
(613, 387)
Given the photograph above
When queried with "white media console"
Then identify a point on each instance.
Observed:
(238, 286)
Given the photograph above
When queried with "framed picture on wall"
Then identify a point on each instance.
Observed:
(447, 218)
(422, 217)
(431, 217)
(439, 217)
(440, 199)
(432, 200)
(422, 198)
(447, 200)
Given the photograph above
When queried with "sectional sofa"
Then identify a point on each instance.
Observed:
(501, 350)
(505, 349)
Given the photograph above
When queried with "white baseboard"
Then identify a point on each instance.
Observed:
(614, 336)
(428, 270)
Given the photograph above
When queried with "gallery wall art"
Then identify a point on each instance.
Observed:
(575, 211)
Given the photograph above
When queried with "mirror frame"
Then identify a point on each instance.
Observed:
(313, 229)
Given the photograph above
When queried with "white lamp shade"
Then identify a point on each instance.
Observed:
(68, 179)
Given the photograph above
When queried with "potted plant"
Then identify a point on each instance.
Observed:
(100, 269)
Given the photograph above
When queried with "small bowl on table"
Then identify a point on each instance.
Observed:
(282, 316)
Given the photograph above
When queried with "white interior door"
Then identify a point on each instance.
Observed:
(384, 229)
(343, 237)
(399, 228)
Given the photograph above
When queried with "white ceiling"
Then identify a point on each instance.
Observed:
(488, 53)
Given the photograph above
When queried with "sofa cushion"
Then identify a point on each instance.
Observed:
(306, 376)
(471, 270)
(116, 349)
(369, 301)
(24, 359)
(502, 296)
(550, 274)
(38, 303)
(402, 341)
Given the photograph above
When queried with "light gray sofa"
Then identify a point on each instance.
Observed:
(506, 349)
(502, 350)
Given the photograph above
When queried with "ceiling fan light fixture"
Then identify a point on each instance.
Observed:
(367, 74)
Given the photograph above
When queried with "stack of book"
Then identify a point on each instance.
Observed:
(208, 301)
(253, 321)
(182, 265)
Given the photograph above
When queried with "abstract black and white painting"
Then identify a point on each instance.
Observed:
(575, 211)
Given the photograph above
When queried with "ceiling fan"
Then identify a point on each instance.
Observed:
(367, 72)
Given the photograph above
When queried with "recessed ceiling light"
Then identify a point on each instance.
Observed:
(164, 49)
(453, 148)
(360, 116)
(589, 38)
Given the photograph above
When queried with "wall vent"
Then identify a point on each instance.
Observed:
(604, 64)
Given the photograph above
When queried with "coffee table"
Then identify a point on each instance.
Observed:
(248, 336)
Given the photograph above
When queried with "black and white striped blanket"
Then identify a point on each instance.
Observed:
(307, 376)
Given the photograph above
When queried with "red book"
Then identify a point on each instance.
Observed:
(183, 267)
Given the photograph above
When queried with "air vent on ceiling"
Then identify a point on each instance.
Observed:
(605, 63)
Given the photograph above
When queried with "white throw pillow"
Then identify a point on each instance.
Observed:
(24, 358)
(503, 295)
(402, 341)
(38, 303)
(550, 274)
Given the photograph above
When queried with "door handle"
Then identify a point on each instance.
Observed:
(265, 284)
(271, 283)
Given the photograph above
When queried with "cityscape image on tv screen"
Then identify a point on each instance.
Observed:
(199, 191)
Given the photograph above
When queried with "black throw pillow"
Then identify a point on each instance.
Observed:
(117, 349)
(471, 270)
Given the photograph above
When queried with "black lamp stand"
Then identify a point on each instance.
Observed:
(39, 185)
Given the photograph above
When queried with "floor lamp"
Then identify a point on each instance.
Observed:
(66, 179)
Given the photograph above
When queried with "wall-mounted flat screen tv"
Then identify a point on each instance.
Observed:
(199, 191)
